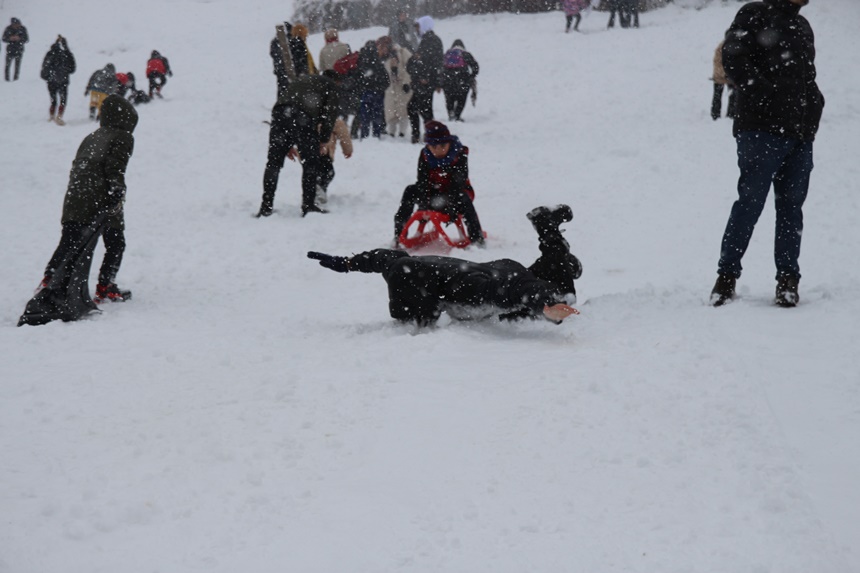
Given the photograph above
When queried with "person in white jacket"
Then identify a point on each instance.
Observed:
(399, 91)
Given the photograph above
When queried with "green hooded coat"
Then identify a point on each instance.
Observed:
(97, 179)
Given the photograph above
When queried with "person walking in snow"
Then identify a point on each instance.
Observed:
(93, 204)
(102, 83)
(779, 107)
(58, 65)
(157, 71)
(301, 127)
(399, 91)
(420, 288)
(423, 68)
(573, 11)
(443, 183)
(458, 76)
(15, 36)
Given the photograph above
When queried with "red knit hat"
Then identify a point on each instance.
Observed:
(435, 133)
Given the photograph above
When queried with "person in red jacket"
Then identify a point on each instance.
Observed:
(443, 182)
(157, 70)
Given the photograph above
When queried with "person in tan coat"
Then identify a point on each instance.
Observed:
(399, 91)
(721, 80)
(333, 50)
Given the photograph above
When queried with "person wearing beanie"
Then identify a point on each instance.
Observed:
(458, 76)
(58, 65)
(421, 288)
(423, 68)
(443, 183)
(333, 50)
(15, 36)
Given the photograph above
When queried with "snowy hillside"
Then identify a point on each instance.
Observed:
(251, 411)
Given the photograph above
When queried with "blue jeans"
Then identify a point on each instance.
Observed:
(764, 159)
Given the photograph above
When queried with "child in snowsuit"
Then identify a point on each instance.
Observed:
(443, 183)
(58, 64)
(102, 84)
(458, 74)
(93, 206)
(420, 288)
(157, 70)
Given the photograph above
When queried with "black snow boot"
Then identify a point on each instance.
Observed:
(724, 290)
(786, 291)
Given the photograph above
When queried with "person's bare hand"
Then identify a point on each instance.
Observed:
(558, 312)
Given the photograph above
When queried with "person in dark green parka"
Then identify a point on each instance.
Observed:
(93, 207)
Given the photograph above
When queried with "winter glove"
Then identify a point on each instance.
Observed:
(406, 88)
(337, 264)
(86, 92)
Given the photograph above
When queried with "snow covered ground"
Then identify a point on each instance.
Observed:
(251, 411)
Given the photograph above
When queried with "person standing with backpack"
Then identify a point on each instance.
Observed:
(58, 65)
(15, 36)
(458, 74)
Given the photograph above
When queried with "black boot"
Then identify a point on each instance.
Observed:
(724, 290)
(786, 291)
(548, 219)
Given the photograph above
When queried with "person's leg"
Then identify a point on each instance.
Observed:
(18, 64)
(279, 144)
(450, 101)
(790, 187)
(378, 114)
(460, 204)
(427, 106)
(364, 112)
(460, 98)
(760, 156)
(412, 196)
(114, 241)
(578, 20)
(568, 18)
(52, 91)
(556, 264)
(307, 142)
(8, 63)
(64, 95)
(414, 121)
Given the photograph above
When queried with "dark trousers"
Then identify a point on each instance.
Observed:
(326, 172)
(290, 128)
(717, 102)
(156, 82)
(764, 159)
(58, 92)
(570, 18)
(16, 57)
(455, 101)
(72, 237)
(452, 203)
(372, 113)
(421, 104)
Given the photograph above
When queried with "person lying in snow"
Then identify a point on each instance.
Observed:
(421, 287)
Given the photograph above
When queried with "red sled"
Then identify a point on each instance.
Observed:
(436, 233)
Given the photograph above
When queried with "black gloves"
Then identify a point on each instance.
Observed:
(337, 264)
(406, 88)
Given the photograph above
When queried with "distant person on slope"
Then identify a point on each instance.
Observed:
(157, 71)
(15, 36)
(573, 11)
(102, 83)
(460, 68)
(58, 65)
(779, 107)
(420, 288)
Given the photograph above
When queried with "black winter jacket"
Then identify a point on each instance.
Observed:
(769, 55)
(425, 65)
(58, 64)
(371, 71)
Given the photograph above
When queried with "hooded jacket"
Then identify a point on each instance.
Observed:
(97, 179)
(58, 64)
(426, 63)
(15, 35)
(769, 56)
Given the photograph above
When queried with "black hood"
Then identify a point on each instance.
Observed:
(119, 113)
